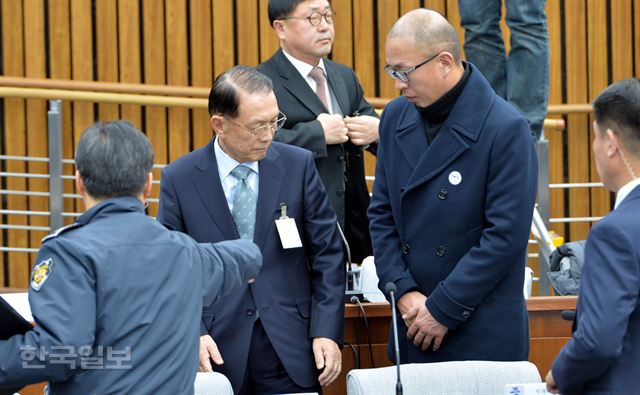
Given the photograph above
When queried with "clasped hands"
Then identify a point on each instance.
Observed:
(361, 130)
(424, 330)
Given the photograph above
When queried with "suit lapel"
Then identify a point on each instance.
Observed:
(336, 82)
(297, 86)
(271, 178)
(207, 183)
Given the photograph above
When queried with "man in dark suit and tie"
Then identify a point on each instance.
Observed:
(604, 353)
(282, 333)
(326, 110)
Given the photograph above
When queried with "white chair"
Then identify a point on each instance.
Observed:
(369, 281)
(443, 378)
(212, 383)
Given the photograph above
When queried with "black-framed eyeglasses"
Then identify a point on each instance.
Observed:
(315, 17)
(404, 74)
(272, 127)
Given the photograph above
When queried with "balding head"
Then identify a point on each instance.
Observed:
(429, 31)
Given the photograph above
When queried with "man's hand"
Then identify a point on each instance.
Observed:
(409, 304)
(328, 356)
(208, 351)
(363, 129)
(551, 384)
(425, 329)
(335, 131)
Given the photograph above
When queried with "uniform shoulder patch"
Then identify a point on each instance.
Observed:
(41, 273)
(61, 231)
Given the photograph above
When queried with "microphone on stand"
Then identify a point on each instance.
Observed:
(390, 289)
(353, 288)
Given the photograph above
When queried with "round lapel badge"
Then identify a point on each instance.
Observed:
(455, 178)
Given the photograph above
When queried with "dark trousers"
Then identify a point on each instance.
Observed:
(265, 374)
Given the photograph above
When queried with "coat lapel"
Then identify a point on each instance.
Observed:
(207, 183)
(297, 86)
(271, 179)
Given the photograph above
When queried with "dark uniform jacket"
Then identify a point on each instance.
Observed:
(341, 166)
(117, 300)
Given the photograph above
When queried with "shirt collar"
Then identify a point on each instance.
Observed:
(304, 68)
(226, 163)
(625, 191)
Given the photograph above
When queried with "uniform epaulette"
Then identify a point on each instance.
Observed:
(60, 231)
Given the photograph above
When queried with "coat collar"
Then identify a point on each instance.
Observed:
(206, 181)
(462, 127)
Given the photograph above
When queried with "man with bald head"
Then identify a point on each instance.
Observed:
(452, 201)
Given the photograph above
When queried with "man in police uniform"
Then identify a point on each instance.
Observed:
(117, 297)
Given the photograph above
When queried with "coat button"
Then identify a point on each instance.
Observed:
(251, 312)
(466, 314)
(340, 192)
(340, 158)
(406, 248)
(440, 251)
(442, 194)
(401, 190)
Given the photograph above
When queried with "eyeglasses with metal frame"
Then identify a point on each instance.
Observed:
(315, 17)
(272, 127)
(403, 75)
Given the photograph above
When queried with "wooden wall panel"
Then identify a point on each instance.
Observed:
(201, 65)
(106, 26)
(247, 33)
(129, 54)
(36, 121)
(555, 137)
(364, 54)
(177, 74)
(269, 42)
(578, 125)
(388, 13)
(81, 69)
(342, 50)
(598, 60)
(14, 138)
(436, 5)
(60, 68)
(224, 56)
(408, 5)
(154, 64)
(189, 42)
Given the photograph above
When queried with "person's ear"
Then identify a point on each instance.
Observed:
(613, 142)
(279, 27)
(147, 186)
(216, 124)
(446, 62)
(80, 184)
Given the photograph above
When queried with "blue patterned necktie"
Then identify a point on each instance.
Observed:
(244, 203)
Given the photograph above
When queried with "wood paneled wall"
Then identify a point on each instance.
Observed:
(180, 42)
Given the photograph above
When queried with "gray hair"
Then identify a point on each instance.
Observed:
(113, 159)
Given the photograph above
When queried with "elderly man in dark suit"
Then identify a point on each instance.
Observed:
(282, 333)
(604, 354)
(326, 110)
(452, 202)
